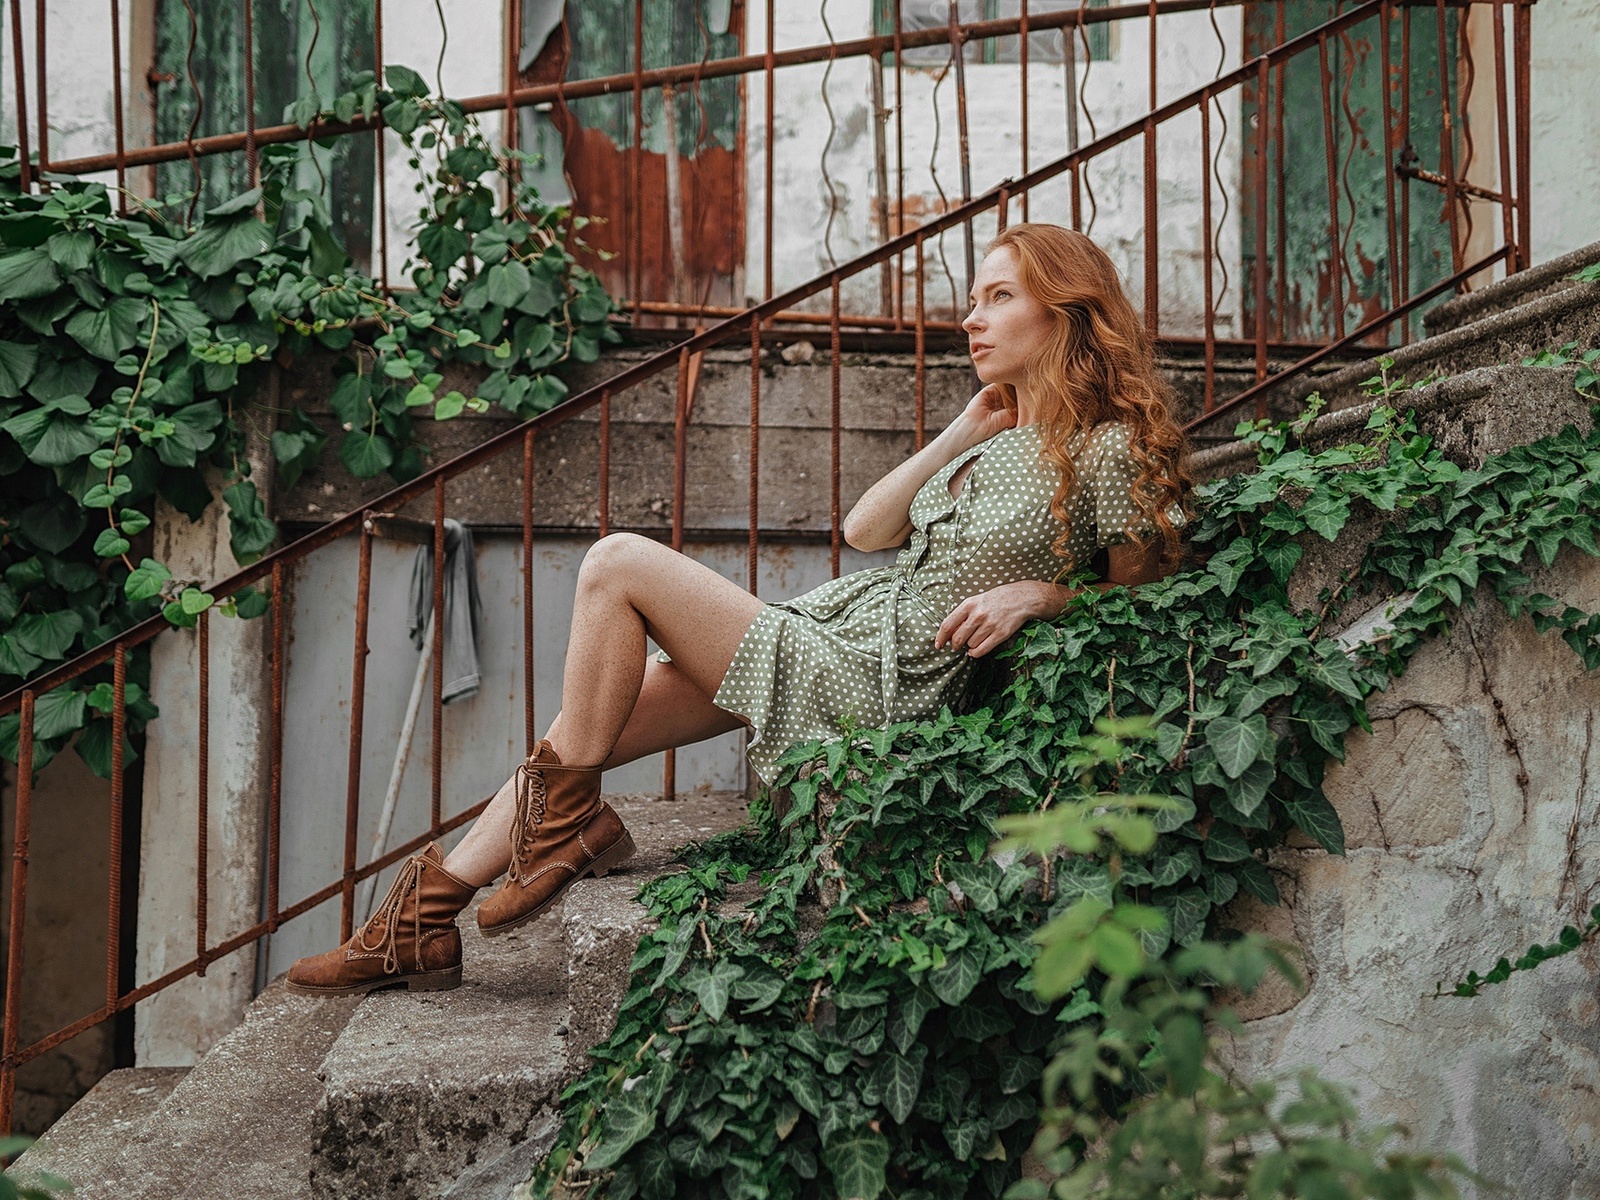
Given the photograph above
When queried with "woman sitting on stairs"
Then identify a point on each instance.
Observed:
(1070, 447)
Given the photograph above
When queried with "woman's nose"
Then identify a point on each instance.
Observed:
(973, 322)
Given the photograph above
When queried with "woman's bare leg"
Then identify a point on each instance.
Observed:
(616, 707)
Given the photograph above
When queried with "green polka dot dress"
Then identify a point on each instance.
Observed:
(859, 648)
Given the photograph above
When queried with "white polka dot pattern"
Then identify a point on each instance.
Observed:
(860, 647)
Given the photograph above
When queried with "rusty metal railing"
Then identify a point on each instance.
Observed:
(685, 358)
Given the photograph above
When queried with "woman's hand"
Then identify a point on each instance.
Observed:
(980, 623)
(985, 415)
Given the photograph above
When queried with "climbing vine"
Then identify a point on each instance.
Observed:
(132, 350)
(858, 996)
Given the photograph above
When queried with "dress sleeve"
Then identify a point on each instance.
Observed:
(1110, 480)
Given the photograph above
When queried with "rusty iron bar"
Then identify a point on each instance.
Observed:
(20, 76)
(636, 161)
(1460, 186)
(1280, 203)
(40, 61)
(1522, 41)
(358, 708)
(436, 757)
(513, 39)
(755, 453)
(275, 794)
(1152, 262)
(528, 686)
(202, 854)
(398, 497)
(1257, 391)
(1260, 266)
(1208, 396)
(680, 451)
(605, 85)
(900, 163)
(920, 378)
(1002, 210)
(958, 56)
(1022, 50)
(834, 419)
(118, 117)
(1508, 228)
(1329, 136)
(1385, 36)
(1405, 184)
(769, 69)
(251, 165)
(9, 1058)
(119, 715)
(378, 144)
(1447, 139)
(797, 317)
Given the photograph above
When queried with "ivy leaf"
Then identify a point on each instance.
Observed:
(47, 635)
(630, 1116)
(507, 283)
(979, 883)
(54, 523)
(857, 1161)
(899, 1081)
(1187, 916)
(954, 981)
(1225, 843)
(144, 581)
(1257, 880)
(94, 747)
(404, 82)
(442, 245)
(1246, 792)
(225, 240)
(365, 454)
(27, 274)
(58, 713)
(14, 660)
(71, 249)
(17, 362)
(1236, 743)
(1317, 818)
(50, 437)
(250, 531)
(297, 448)
(711, 987)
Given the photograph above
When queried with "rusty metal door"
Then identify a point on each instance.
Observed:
(672, 200)
(1334, 260)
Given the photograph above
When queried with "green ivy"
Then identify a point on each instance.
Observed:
(131, 352)
(895, 1042)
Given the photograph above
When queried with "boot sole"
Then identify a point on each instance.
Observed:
(599, 867)
(422, 981)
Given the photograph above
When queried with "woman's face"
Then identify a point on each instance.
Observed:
(1007, 326)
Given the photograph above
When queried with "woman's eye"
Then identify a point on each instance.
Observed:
(1002, 294)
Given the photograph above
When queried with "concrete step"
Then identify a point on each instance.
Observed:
(238, 1123)
(602, 922)
(453, 1094)
(1499, 326)
(82, 1146)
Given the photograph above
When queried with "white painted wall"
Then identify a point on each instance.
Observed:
(1114, 92)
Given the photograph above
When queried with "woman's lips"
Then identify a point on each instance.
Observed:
(976, 350)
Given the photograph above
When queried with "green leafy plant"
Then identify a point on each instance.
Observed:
(891, 1036)
(45, 1187)
(131, 355)
(1569, 939)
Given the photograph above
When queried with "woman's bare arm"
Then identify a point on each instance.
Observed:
(981, 623)
(882, 517)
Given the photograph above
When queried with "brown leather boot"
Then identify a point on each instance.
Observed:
(411, 939)
(561, 832)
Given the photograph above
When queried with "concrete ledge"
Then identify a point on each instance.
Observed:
(236, 1125)
(83, 1144)
(1540, 280)
(1501, 336)
(603, 922)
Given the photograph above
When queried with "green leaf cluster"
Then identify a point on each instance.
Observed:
(860, 995)
(132, 351)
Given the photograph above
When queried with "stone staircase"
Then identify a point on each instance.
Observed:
(455, 1094)
(400, 1095)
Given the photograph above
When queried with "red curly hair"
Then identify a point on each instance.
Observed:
(1097, 365)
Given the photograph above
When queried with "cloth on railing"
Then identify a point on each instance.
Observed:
(463, 610)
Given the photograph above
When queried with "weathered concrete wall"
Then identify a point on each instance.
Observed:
(64, 937)
(1472, 817)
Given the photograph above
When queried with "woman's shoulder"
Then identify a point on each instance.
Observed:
(1106, 441)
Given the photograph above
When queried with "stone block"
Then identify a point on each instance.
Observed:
(1401, 785)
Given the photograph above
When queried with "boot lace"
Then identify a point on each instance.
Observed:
(386, 922)
(529, 813)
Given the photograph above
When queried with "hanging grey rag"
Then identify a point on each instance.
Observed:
(463, 611)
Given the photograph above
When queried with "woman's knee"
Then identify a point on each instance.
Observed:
(612, 557)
